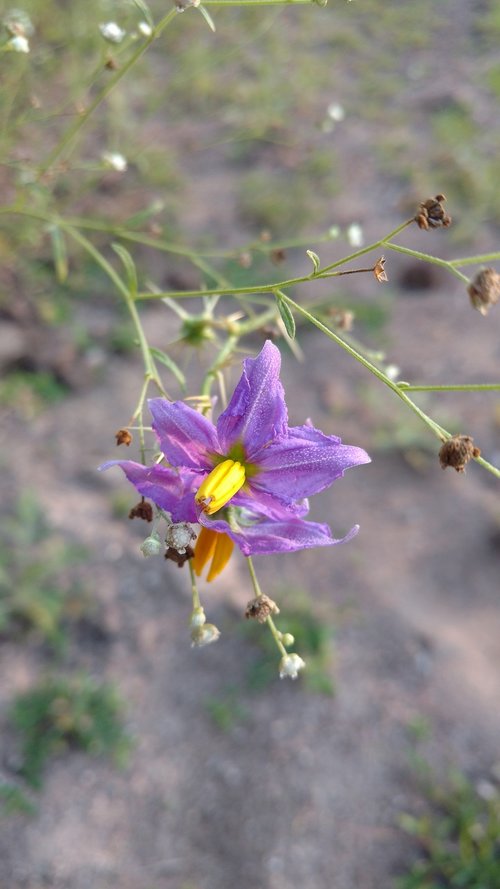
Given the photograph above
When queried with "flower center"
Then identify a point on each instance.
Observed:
(214, 546)
(220, 485)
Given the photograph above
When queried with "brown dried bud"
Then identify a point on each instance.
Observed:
(179, 558)
(111, 64)
(278, 255)
(431, 213)
(484, 290)
(261, 608)
(142, 510)
(342, 319)
(457, 451)
(123, 436)
(379, 270)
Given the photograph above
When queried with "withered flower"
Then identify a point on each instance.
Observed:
(457, 451)
(123, 436)
(179, 558)
(484, 290)
(261, 608)
(431, 213)
(379, 270)
(142, 510)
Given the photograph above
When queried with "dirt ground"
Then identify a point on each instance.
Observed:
(300, 789)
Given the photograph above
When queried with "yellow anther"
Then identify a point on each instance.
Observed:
(214, 546)
(223, 483)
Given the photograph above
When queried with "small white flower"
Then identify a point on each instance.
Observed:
(335, 112)
(204, 635)
(355, 235)
(112, 32)
(145, 29)
(393, 371)
(179, 536)
(19, 44)
(115, 160)
(290, 664)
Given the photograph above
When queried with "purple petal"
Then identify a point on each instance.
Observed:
(170, 490)
(257, 412)
(303, 463)
(267, 537)
(186, 436)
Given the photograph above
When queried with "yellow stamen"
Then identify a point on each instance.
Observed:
(223, 483)
(215, 546)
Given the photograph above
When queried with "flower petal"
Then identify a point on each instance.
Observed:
(257, 411)
(169, 489)
(270, 536)
(303, 463)
(186, 436)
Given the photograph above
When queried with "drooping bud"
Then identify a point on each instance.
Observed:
(142, 510)
(152, 546)
(197, 618)
(204, 635)
(290, 665)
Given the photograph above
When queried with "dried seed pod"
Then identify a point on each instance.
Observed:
(484, 290)
(457, 451)
(431, 213)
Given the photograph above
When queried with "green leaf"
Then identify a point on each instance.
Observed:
(130, 269)
(286, 316)
(60, 253)
(165, 359)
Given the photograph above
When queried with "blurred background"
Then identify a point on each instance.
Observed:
(127, 758)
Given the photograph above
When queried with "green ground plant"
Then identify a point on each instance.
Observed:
(60, 714)
(457, 834)
(40, 591)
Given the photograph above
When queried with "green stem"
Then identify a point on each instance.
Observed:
(216, 365)
(194, 588)
(459, 387)
(82, 119)
(258, 592)
(438, 430)
(476, 260)
(426, 257)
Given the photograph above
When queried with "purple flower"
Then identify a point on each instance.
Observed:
(248, 476)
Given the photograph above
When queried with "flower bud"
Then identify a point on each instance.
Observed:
(204, 635)
(290, 664)
(287, 639)
(152, 546)
(197, 618)
(112, 32)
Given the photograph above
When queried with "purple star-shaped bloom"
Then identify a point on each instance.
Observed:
(283, 465)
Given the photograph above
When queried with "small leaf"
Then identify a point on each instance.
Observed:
(60, 253)
(207, 17)
(144, 8)
(286, 316)
(130, 269)
(315, 260)
(165, 359)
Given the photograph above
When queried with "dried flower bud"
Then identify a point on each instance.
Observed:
(180, 559)
(123, 436)
(142, 510)
(484, 290)
(261, 608)
(457, 451)
(379, 270)
(290, 665)
(431, 213)
(179, 536)
(278, 255)
(152, 545)
(204, 635)
(342, 319)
